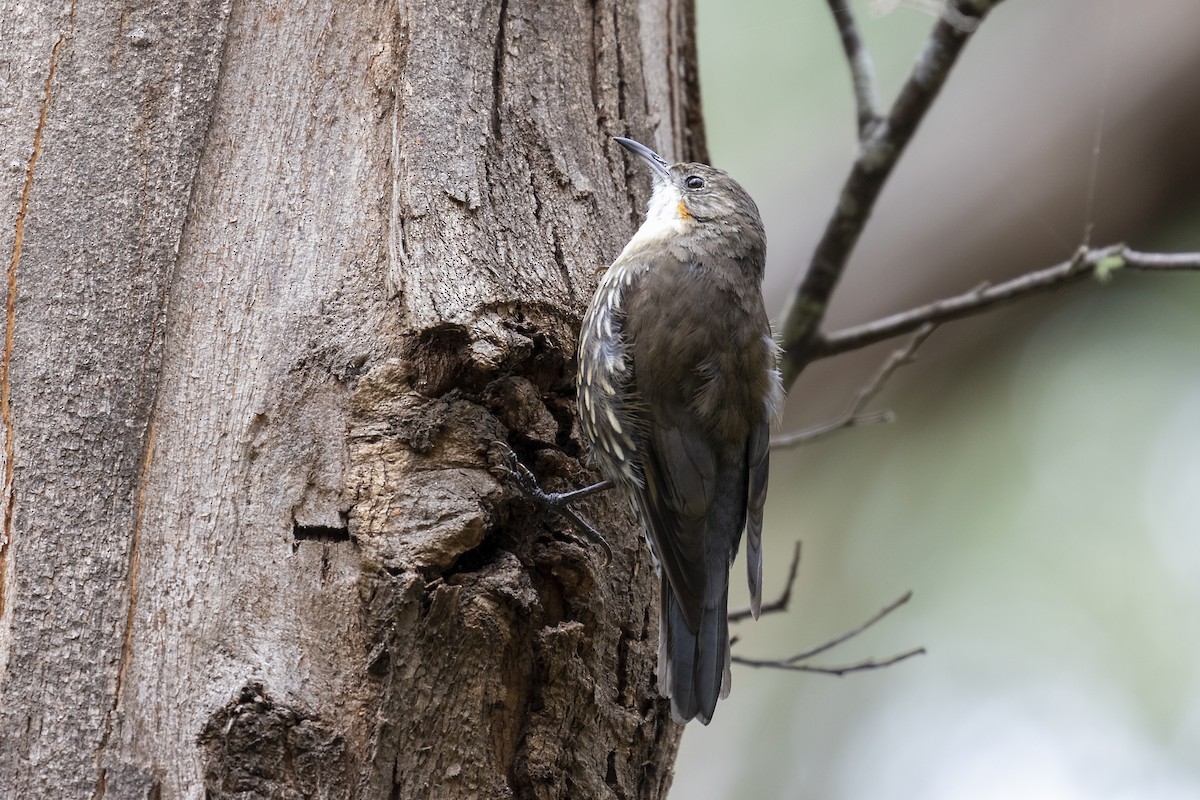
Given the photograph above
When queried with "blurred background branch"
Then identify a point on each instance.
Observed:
(862, 69)
(1099, 263)
(879, 150)
(883, 141)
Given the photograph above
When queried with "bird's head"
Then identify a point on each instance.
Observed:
(697, 199)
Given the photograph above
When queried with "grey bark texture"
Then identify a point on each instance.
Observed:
(277, 276)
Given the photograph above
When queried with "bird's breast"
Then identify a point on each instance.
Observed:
(702, 346)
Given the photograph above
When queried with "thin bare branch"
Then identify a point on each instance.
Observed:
(850, 634)
(1100, 263)
(780, 604)
(839, 423)
(878, 154)
(796, 662)
(859, 666)
(854, 415)
(862, 70)
(1151, 262)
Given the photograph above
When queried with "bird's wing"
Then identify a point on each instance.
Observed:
(758, 458)
(692, 496)
(680, 474)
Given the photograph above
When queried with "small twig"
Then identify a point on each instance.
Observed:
(820, 431)
(854, 415)
(1100, 263)
(781, 603)
(795, 662)
(850, 634)
(860, 666)
(862, 70)
(877, 157)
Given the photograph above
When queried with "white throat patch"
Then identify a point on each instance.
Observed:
(663, 219)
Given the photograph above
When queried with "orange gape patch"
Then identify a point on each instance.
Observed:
(683, 212)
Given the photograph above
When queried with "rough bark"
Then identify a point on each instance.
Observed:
(278, 276)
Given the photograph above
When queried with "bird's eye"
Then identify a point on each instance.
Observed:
(694, 182)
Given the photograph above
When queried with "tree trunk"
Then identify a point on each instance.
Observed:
(279, 276)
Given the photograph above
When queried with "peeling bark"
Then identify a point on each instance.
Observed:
(278, 277)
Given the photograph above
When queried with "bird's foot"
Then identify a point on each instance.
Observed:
(506, 462)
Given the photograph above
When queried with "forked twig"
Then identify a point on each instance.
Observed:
(846, 669)
(877, 155)
(794, 663)
(854, 415)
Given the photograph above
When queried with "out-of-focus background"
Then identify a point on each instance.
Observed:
(1040, 490)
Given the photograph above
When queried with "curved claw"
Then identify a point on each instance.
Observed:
(506, 462)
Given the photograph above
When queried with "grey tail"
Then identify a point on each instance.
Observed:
(693, 668)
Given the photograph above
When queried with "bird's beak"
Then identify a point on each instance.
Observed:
(659, 166)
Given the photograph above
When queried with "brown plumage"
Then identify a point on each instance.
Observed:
(678, 385)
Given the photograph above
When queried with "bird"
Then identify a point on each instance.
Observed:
(678, 385)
